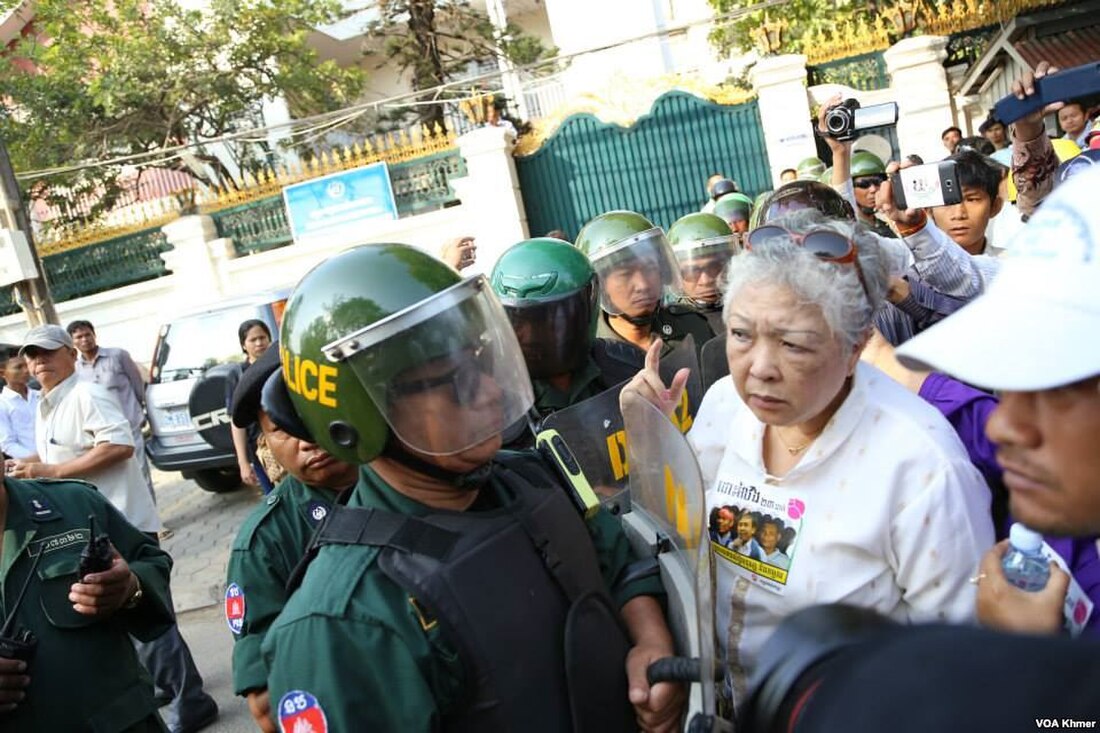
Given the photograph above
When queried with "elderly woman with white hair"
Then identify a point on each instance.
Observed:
(874, 498)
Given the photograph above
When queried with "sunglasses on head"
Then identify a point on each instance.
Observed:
(825, 244)
(464, 379)
(868, 181)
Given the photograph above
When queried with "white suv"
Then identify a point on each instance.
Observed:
(185, 398)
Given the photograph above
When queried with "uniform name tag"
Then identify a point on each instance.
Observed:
(62, 540)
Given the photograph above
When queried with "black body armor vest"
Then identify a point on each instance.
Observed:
(518, 592)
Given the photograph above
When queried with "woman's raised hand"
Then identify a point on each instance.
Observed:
(648, 385)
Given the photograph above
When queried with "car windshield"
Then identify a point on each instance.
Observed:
(193, 344)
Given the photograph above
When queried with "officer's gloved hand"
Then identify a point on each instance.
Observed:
(13, 681)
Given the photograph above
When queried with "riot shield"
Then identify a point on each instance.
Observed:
(594, 431)
(713, 361)
(668, 495)
(684, 355)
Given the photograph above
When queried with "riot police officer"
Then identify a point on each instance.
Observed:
(550, 293)
(274, 537)
(868, 173)
(638, 274)
(703, 245)
(458, 581)
(736, 210)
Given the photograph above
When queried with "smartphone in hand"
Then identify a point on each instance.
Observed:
(926, 186)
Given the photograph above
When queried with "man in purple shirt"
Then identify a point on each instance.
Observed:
(968, 410)
(1030, 336)
(115, 370)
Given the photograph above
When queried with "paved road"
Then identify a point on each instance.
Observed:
(210, 642)
(203, 526)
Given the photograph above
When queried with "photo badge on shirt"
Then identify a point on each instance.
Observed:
(1077, 609)
(756, 531)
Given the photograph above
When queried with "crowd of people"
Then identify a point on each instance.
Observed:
(426, 558)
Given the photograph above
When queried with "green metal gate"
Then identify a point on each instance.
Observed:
(657, 167)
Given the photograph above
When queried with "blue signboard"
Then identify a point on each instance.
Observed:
(337, 205)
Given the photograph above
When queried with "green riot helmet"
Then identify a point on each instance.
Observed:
(636, 267)
(385, 337)
(703, 245)
(810, 168)
(826, 176)
(735, 209)
(550, 291)
(867, 164)
(798, 195)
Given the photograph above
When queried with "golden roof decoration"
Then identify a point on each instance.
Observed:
(850, 38)
(963, 15)
(623, 101)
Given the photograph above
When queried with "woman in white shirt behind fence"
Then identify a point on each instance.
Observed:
(865, 492)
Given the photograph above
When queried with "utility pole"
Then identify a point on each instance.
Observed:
(21, 265)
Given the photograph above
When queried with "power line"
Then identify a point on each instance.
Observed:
(357, 110)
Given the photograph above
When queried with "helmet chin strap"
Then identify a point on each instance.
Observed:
(468, 481)
(640, 321)
(705, 305)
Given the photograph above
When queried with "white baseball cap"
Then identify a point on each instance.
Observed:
(1038, 325)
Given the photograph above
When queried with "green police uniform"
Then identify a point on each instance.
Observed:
(85, 675)
(609, 364)
(270, 543)
(878, 226)
(587, 382)
(370, 655)
(672, 322)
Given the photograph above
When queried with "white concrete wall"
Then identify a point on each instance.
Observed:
(127, 317)
(925, 108)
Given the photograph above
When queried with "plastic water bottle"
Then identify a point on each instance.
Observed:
(1024, 565)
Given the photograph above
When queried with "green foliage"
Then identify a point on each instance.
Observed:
(436, 41)
(802, 17)
(119, 77)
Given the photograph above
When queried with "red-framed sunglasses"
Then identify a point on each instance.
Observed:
(825, 244)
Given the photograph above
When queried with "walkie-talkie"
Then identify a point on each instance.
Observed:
(23, 644)
(96, 555)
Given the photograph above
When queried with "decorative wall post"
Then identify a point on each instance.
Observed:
(916, 71)
(780, 84)
(190, 259)
(490, 190)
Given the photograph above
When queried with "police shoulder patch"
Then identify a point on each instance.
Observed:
(300, 712)
(234, 608)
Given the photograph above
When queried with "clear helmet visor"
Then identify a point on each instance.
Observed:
(703, 267)
(637, 274)
(554, 334)
(446, 374)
